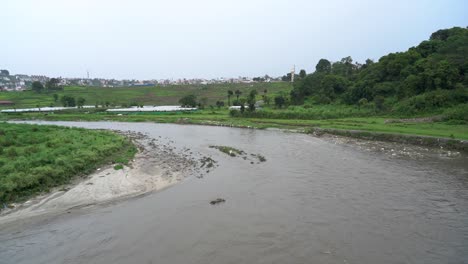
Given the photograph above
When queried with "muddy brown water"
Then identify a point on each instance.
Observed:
(312, 201)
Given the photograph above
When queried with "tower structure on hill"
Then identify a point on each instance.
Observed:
(293, 72)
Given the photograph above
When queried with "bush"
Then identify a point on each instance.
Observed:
(188, 101)
(431, 102)
(459, 112)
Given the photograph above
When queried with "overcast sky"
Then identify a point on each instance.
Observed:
(152, 39)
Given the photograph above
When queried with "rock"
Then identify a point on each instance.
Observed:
(217, 201)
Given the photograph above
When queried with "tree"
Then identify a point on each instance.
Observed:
(53, 84)
(68, 101)
(203, 102)
(188, 101)
(80, 102)
(55, 97)
(280, 101)
(332, 85)
(266, 99)
(37, 86)
(219, 104)
(242, 104)
(230, 93)
(323, 66)
(238, 93)
(302, 74)
(4, 73)
(362, 102)
(287, 77)
(251, 100)
(379, 102)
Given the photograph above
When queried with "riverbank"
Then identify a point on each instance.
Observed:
(430, 132)
(433, 142)
(34, 159)
(156, 166)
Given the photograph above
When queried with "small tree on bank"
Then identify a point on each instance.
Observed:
(251, 100)
(188, 101)
(68, 101)
(280, 101)
(37, 86)
(238, 93)
(230, 93)
(80, 102)
(219, 104)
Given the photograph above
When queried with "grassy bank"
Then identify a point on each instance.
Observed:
(35, 158)
(445, 129)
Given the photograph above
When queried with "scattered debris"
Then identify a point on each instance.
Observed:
(229, 150)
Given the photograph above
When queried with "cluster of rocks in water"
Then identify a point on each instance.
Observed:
(170, 159)
(159, 152)
(233, 152)
(217, 201)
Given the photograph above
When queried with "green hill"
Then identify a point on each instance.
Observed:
(422, 80)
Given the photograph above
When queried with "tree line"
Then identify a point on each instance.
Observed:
(434, 66)
(53, 84)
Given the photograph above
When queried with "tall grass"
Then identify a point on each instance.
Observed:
(35, 158)
(317, 112)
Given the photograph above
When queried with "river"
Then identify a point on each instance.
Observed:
(312, 201)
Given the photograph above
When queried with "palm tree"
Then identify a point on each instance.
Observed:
(265, 99)
(230, 93)
(238, 93)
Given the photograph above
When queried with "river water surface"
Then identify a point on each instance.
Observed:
(312, 201)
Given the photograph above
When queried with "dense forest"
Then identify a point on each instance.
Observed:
(429, 76)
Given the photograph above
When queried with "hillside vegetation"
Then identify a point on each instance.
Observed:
(151, 95)
(426, 79)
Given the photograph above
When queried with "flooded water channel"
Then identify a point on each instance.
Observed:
(311, 201)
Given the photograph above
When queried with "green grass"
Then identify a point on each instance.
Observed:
(118, 167)
(446, 129)
(153, 95)
(35, 158)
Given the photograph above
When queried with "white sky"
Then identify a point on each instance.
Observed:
(152, 39)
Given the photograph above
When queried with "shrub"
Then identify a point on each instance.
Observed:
(459, 112)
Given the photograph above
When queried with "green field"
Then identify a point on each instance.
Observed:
(336, 116)
(151, 95)
(445, 129)
(35, 158)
